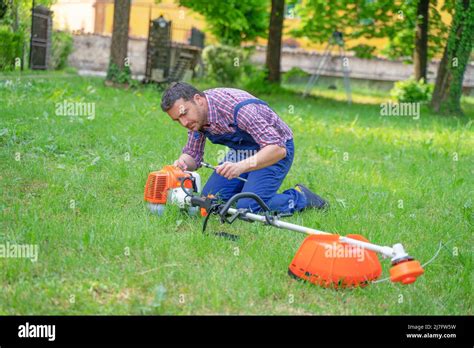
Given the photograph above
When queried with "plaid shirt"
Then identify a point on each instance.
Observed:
(258, 120)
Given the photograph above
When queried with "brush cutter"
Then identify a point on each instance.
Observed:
(324, 259)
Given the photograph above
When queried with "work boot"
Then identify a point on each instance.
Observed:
(313, 200)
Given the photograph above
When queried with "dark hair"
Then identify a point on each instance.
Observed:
(178, 90)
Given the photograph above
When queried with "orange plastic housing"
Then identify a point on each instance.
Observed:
(321, 261)
(159, 182)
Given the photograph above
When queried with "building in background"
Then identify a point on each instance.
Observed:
(74, 15)
(96, 16)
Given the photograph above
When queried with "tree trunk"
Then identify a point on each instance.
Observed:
(420, 58)
(119, 46)
(274, 41)
(443, 81)
(16, 19)
(448, 88)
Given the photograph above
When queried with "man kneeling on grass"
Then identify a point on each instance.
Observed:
(261, 146)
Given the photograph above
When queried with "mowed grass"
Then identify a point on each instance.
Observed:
(74, 187)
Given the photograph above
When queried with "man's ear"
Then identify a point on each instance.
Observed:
(198, 99)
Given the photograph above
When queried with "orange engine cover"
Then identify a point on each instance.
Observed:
(324, 261)
(159, 182)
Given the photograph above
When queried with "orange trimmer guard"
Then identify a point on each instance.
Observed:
(323, 260)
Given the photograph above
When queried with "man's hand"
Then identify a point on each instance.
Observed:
(230, 170)
(180, 164)
(185, 162)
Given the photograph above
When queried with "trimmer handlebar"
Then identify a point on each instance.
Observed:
(241, 195)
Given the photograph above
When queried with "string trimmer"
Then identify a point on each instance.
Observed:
(325, 259)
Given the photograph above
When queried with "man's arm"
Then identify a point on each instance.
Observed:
(267, 156)
(193, 152)
(260, 125)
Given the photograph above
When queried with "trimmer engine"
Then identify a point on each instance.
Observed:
(168, 185)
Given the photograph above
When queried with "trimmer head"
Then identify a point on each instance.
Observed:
(323, 260)
(406, 271)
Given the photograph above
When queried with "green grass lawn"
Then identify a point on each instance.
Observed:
(74, 187)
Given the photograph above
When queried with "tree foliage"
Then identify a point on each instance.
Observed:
(3, 8)
(232, 21)
(16, 19)
(394, 20)
(17, 13)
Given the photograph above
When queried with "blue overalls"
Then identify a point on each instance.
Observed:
(264, 182)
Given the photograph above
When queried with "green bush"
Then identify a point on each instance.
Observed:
(122, 77)
(294, 74)
(61, 47)
(363, 51)
(11, 47)
(257, 84)
(223, 64)
(412, 91)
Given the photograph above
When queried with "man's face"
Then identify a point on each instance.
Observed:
(191, 114)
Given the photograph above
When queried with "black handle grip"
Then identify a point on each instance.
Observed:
(198, 201)
(241, 195)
